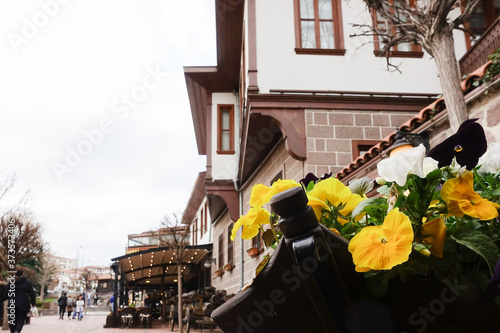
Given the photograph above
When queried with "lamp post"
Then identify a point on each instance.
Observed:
(405, 141)
(116, 269)
(83, 255)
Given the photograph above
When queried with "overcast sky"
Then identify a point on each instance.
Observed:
(95, 118)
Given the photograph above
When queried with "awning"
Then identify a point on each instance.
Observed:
(147, 267)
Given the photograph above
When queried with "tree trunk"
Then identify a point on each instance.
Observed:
(179, 295)
(443, 51)
(42, 291)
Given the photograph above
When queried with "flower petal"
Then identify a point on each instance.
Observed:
(251, 223)
(317, 205)
(490, 161)
(460, 197)
(397, 168)
(436, 232)
(236, 226)
(258, 195)
(385, 246)
(467, 145)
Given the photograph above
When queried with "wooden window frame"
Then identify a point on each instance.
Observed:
(205, 209)
(220, 260)
(489, 16)
(195, 232)
(220, 109)
(202, 220)
(338, 31)
(230, 246)
(416, 50)
(356, 146)
(257, 241)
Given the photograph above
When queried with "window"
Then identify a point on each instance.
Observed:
(220, 264)
(276, 178)
(318, 27)
(205, 217)
(408, 50)
(195, 232)
(359, 147)
(230, 251)
(225, 134)
(202, 220)
(257, 240)
(484, 16)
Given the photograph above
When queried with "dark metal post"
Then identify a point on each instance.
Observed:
(116, 269)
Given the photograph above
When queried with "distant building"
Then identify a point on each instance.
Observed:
(105, 284)
(64, 264)
(155, 238)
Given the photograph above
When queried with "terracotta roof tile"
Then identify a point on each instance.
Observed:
(425, 114)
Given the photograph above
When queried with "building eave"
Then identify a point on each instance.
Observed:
(202, 81)
(197, 196)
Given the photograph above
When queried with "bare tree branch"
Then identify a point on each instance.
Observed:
(428, 23)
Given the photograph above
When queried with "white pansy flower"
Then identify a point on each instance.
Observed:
(397, 168)
(430, 165)
(490, 161)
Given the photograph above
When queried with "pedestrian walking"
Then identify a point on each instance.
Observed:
(79, 307)
(112, 302)
(20, 295)
(63, 303)
(70, 307)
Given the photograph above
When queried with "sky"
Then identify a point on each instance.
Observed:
(94, 115)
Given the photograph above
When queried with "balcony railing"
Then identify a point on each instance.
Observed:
(479, 52)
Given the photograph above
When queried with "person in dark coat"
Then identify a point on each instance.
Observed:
(62, 302)
(21, 297)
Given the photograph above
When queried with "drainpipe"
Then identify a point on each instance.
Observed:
(242, 251)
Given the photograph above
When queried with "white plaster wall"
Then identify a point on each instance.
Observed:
(225, 166)
(279, 67)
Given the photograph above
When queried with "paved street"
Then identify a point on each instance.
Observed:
(92, 323)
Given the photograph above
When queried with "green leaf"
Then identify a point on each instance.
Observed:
(384, 190)
(360, 208)
(496, 192)
(434, 175)
(310, 186)
(268, 237)
(361, 186)
(478, 242)
(262, 264)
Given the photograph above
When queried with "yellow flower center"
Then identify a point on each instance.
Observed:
(383, 240)
(458, 148)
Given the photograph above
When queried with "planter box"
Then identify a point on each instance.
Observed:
(253, 252)
(109, 322)
(219, 272)
(228, 267)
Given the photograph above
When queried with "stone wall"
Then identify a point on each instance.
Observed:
(331, 134)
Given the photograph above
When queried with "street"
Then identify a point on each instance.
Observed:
(92, 323)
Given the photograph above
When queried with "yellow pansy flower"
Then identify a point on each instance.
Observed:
(384, 246)
(262, 194)
(435, 231)
(250, 223)
(336, 193)
(461, 199)
(317, 205)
